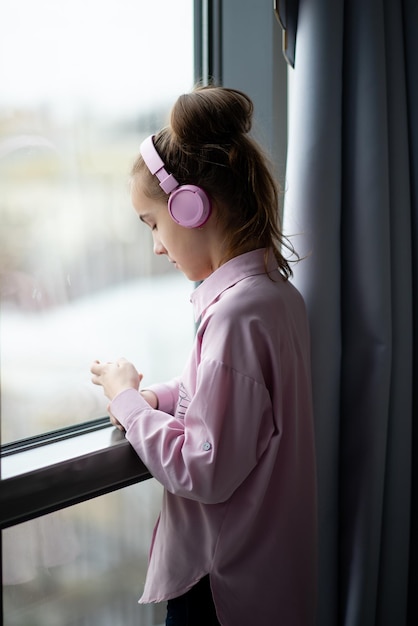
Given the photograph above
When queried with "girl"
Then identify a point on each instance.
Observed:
(231, 439)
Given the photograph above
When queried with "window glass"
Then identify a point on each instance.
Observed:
(84, 565)
(83, 82)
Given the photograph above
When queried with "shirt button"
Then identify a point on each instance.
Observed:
(206, 446)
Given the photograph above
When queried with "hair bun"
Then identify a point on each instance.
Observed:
(211, 115)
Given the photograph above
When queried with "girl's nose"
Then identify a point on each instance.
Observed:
(158, 246)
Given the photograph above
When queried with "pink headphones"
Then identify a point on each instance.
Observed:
(188, 205)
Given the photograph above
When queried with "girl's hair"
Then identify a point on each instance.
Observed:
(207, 144)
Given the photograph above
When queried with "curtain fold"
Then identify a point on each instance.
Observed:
(351, 204)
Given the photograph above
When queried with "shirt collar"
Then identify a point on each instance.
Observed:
(228, 274)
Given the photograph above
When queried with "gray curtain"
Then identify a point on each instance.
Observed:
(351, 204)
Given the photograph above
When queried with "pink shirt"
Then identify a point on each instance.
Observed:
(232, 442)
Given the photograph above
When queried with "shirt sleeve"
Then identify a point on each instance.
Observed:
(167, 394)
(207, 455)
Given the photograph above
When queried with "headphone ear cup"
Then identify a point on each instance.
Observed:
(189, 206)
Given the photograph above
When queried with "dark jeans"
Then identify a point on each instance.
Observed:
(194, 608)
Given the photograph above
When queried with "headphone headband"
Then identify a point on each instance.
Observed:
(156, 165)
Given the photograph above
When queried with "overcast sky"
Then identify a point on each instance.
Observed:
(108, 55)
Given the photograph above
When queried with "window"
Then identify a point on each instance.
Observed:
(82, 83)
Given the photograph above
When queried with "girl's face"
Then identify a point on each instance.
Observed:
(194, 251)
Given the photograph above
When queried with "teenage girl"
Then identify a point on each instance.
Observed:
(231, 439)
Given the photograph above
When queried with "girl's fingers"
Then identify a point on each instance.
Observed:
(95, 367)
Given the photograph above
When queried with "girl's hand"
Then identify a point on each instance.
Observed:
(115, 377)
